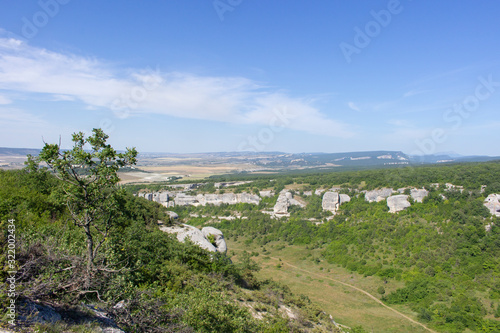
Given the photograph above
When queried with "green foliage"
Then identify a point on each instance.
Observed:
(88, 184)
(439, 248)
(165, 285)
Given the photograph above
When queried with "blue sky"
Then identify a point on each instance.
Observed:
(231, 75)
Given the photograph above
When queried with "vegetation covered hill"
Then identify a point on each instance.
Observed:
(80, 239)
(163, 285)
(445, 250)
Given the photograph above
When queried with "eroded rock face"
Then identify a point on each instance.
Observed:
(216, 199)
(184, 231)
(378, 195)
(397, 203)
(344, 198)
(492, 202)
(185, 200)
(199, 237)
(220, 243)
(319, 191)
(285, 200)
(282, 204)
(419, 194)
(333, 200)
(248, 198)
(266, 194)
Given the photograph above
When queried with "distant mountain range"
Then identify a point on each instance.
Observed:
(280, 160)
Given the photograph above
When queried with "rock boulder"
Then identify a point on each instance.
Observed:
(184, 231)
(492, 202)
(282, 204)
(220, 243)
(397, 203)
(378, 195)
(333, 200)
(418, 194)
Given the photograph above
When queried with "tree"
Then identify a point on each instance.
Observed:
(89, 184)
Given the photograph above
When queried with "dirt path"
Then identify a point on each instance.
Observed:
(361, 291)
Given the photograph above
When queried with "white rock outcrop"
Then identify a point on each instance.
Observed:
(333, 200)
(344, 198)
(378, 195)
(266, 194)
(319, 191)
(173, 215)
(492, 202)
(198, 237)
(282, 204)
(397, 203)
(185, 200)
(220, 243)
(285, 200)
(418, 194)
(216, 199)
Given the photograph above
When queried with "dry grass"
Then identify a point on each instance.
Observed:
(321, 282)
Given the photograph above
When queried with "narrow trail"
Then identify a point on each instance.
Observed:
(361, 291)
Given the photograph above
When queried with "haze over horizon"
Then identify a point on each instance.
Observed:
(222, 75)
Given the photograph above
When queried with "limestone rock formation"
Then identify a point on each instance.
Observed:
(266, 194)
(378, 195)
(319, 191)
(285, 200)
(344, 198)
(248, 198)
(220, 243)
(173, 215)
(333, 200)
(397, 203)
(296, 202)
(216, 199)
(493, 204)
(418, 194)
(184, 231)
(282, 204)
(185, 200)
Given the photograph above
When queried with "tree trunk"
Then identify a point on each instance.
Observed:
(90, 256)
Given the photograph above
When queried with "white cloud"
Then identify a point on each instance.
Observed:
(4, 100)
(353, 106)
(413, 93)
(13, 117)
(67, 77)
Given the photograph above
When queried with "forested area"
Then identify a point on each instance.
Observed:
(71, 236)
(165, 285)
(445, 249)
